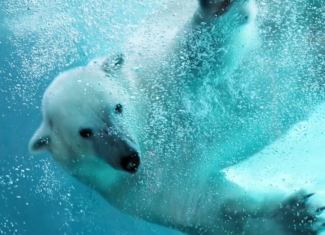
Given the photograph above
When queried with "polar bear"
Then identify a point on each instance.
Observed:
(152, 128)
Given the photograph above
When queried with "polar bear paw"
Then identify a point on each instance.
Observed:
(302, 214)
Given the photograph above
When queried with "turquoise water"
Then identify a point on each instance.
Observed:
(39, 39)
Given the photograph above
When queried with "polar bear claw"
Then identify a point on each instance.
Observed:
(154, 128)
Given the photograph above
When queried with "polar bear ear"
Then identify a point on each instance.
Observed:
(113, 63)
(40, 141)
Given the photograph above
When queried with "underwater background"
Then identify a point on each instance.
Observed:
(39, 39)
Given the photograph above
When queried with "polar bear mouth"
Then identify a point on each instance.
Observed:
(131, 163)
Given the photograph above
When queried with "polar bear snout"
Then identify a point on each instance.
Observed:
(119, 151)
(131, 163)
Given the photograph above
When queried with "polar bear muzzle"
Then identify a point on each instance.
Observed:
(117, 150)
(131, 163)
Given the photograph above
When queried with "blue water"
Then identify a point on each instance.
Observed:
(36, 196)
(39, 39)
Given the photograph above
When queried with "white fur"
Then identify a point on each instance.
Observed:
(188, 114)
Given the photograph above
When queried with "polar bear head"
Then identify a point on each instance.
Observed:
(87, 117)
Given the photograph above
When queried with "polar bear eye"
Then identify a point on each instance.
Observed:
(118, 108)
(86, 133)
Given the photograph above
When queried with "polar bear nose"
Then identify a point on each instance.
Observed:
(131, 163)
